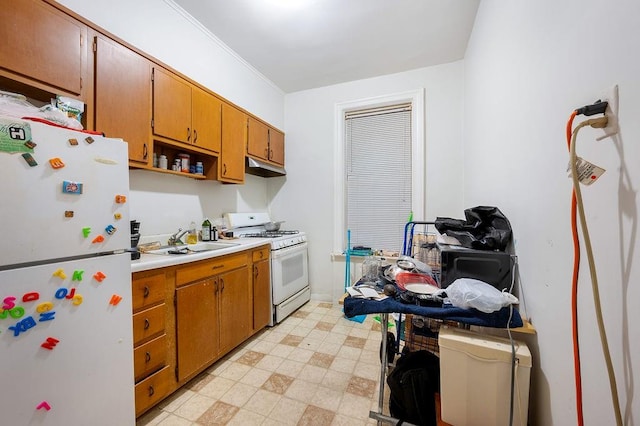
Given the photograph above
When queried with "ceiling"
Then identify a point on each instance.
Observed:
(303, 44)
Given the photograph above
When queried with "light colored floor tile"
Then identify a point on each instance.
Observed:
(327, 398)
(342, 420)
(262, 402)
(246, 418)
(238, 395)
(349, 352)
(336, 380)
(355, 406)
(329, 348)
(152, 418)
(308, 323)
(255, 377)
(287, 411)
(281, 351)
(300, 355)
(302, 390)
(194, 407)
(343, 365)
(274, 336)
(301, 331)
(173, 420)
(290, 368)
(263, 346)
(176, 400)
(235, 371)
(312, 374)
(359, 332)
(336, 338)
(269, 362)
(310, 344)
(217, 387)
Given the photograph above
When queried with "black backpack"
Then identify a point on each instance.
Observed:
(413, 384)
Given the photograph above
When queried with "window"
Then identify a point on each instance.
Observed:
(386, 230)
(378, 175)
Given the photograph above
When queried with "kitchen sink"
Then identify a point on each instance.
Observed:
(191, 248)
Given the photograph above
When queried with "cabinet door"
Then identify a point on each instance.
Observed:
(42, 43)
(171, 106)
(276, 146)
(123, 97)
(196, 326)
(257, 139)
(206, 120)
(236, 313)
(261, 294)
(234, 132)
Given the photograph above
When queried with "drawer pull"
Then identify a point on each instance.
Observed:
(255, 271)
(147, 357)
(151, 390)
(221, 284)
(146, 291)
(146, 323)
(218, 266)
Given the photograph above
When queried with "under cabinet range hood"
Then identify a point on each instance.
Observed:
(260, 168)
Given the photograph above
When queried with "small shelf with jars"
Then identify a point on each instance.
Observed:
(173, 160)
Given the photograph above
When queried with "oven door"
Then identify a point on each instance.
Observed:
(289, 272)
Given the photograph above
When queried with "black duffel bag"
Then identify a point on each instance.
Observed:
(485, 228)
(413, 383)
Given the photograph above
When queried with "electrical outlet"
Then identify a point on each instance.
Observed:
(611, 96)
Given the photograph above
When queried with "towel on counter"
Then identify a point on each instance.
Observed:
(356, 306)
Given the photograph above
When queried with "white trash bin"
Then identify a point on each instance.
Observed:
(475, 379)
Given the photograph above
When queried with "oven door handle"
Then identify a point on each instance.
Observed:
(275, 254)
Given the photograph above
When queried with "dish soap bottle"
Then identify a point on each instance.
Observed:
(206, 230)
(192, 236)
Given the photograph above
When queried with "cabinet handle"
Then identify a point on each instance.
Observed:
(146, 323)
(221, 284)
(255, 271)
(270, 154)
(218, 266)
(145, 151)
(266, 152)
(188, 134)
(215, 288)
(147, 357)
(145, 293)
(151, 390)
(261, 254)
(195, 136)
(224, 169)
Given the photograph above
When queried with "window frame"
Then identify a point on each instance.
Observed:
(416, 98)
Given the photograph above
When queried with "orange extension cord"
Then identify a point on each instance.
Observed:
(574, 287)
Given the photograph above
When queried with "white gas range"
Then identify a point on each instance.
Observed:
(289, 261)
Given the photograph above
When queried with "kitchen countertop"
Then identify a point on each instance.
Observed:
(154, 261)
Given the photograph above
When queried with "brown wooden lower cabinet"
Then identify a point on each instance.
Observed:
(152, 389)
(207, 308)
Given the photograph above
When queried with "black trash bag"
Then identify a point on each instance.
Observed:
(413, 383)
(485, 228)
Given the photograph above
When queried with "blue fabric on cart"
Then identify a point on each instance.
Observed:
(358, 306)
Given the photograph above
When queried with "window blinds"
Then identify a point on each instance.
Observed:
(378, 175)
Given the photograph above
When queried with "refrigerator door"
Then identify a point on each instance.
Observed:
(66, 351)
(72, 203)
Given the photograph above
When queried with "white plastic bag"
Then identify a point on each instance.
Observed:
(469, 293)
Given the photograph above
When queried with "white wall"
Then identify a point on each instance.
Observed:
(160, 28)
(305, 198)
(528, 65)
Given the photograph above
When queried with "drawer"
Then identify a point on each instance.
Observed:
(261, 254)
(147, 289)
(150, 357)
(152, 389)
(148, 323)
(209, 268)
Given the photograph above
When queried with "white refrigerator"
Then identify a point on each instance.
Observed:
(66, 337)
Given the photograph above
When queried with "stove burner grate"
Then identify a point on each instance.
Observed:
(270, 234)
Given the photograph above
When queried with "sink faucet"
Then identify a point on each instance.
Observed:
(174, 240)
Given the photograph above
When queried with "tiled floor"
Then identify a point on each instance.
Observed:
(315, 368)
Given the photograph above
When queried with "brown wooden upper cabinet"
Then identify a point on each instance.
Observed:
(123, 97)
(264, 142)
(41, 43)
(185, 113)
(234, 134)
